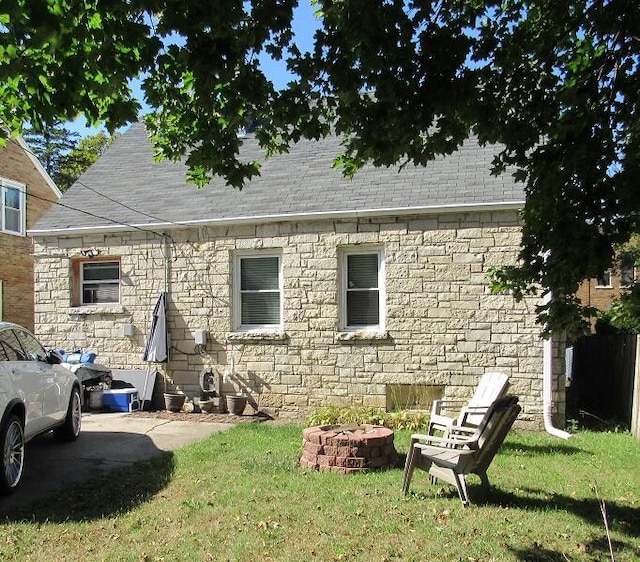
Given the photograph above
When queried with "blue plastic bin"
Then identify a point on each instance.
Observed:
(121, 400)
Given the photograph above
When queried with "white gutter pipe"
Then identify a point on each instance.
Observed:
(284, 217)
(547, 387)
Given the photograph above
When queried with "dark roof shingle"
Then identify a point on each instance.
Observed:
(126, 186)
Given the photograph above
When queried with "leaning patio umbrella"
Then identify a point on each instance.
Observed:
(156, 349)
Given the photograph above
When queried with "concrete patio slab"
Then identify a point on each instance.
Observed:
(107, 441)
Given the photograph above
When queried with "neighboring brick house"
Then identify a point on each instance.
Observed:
(602, 291)
(26, 192)
(311, 289)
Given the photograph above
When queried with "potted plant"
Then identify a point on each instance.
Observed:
(173, 399)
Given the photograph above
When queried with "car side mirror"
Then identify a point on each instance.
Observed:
(53, 357)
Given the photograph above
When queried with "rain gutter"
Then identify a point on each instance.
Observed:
(284, 217)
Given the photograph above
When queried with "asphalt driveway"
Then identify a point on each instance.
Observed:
(107, 441)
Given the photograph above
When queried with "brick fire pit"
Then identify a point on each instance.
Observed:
(346, 449)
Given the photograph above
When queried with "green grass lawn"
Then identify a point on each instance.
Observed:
(240, 495)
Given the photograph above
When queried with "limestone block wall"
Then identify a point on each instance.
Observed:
(443, 326)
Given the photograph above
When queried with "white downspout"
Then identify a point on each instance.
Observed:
(547, 388)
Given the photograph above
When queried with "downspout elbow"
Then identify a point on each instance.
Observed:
(547, 392)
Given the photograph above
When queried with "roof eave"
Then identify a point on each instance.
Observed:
(39, 167)
(287, 217)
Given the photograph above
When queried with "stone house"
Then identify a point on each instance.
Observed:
(27, 192)
(303, 289)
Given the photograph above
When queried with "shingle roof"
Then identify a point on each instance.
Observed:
(126, 186)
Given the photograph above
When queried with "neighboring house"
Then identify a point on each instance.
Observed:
(305, 288)
(602, 291)
(26, 192)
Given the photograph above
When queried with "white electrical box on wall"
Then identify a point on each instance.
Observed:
(200, 336)
(127, 329)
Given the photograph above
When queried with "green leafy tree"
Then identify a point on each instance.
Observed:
(50, 144)
(555, 84)
(73, 164)
(623, 315)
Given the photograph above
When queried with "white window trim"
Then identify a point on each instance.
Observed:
(22, 189)
(610, 285)
(237, 300)
(349, 251)
(118, 282)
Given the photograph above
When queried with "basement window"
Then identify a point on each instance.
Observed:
(412, 396)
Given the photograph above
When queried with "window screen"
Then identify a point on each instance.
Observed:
(101, 282)
(12, 208)
(362, 289)
(260, 293)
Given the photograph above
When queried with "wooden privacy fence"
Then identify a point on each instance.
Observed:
(605, 378)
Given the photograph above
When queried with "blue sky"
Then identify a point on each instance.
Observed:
(304, 26)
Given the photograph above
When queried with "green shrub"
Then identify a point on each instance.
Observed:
(342, 415)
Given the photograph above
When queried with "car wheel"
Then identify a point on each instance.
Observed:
(12, 441)
(70, 429)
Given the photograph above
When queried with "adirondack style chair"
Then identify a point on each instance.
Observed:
(492, 386)
(462, 451)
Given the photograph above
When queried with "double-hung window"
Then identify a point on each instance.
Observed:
(627, 272)
(363, 294)
(604, 280)
(258, 291)
(100, 282)
(13, 207)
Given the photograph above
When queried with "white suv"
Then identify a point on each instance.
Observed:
(36, 395)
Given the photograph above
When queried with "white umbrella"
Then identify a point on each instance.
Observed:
(156, 349)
